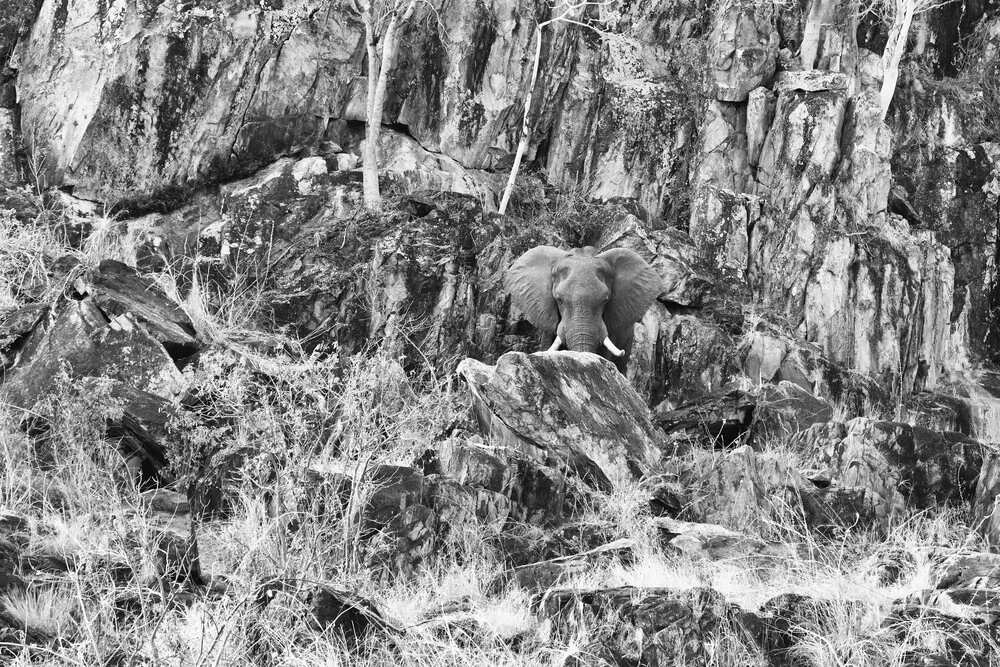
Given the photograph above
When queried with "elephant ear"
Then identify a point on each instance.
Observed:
(529, 282)
(634, 286)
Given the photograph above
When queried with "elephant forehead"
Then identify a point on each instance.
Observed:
(577, 262)
(581, 282)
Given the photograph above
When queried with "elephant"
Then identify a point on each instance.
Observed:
(589, 300)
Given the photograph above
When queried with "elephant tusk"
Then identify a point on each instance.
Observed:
(611, 347)
(556, 344)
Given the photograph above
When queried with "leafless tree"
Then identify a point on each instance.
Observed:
(383, 20)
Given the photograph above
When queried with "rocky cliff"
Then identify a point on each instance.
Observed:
(755, 130)
(188, 264)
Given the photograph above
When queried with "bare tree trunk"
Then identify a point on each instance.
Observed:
(820, 13)
(378, 77)
(522, 145)
(894, 49)
(369, 156)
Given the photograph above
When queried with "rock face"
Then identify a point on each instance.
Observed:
(118, 343)
(572, 407)
(121, 331)
(244, 84)
(702, 118)
(899, 464)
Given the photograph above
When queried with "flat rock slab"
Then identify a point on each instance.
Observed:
(573, 407)
(715, 542)
(810, 81)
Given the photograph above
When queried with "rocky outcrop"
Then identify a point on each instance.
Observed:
(122, 328)
(670, 625)
(183, 94)
(742, 486)
(570, 407)
(244, 85)
(899, 464)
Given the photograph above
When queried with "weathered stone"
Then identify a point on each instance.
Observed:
(495, 488)
(743, 49)
(10, 171)
(541, 576)
(760, 114)
(117, 289)
(833, 509)
(720, 224)
(785, 408)
(863, 175)
(413, 168)
(571, 406)
(809, 81)
(716, 542)
(463, 509)
(901, 464)
(951, 173)
(723, 416)
(689, 356)
(986, 503)
(634, 154)
(541, 494)
(938, 412)
(977, 570)
(81, 340)
(392, 489)
(800, 155)
(763, 359)
(16, 325)
(738, 484)
(671, 626)
(889, 317)
(473, 465)
(412, 534)
(271, 81)
(143, 428)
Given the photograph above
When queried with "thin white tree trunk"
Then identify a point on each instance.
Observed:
(378, 78)
(894, 49)
(522, 145)
(820, 13)
(369, 157)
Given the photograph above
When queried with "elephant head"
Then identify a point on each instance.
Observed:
(589, 300)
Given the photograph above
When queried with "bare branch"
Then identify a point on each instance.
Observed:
(522, 145)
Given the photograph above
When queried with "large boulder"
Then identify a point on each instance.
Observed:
(572, 407)
(902, 465)
(666, 626)
(739, 487)
(82, 341)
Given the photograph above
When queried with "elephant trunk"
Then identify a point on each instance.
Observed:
(582, 336)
